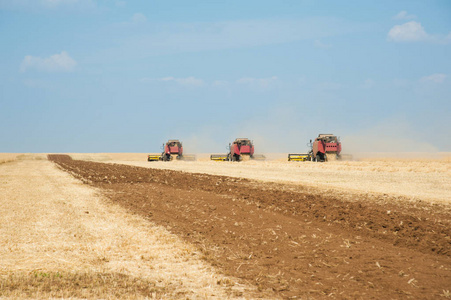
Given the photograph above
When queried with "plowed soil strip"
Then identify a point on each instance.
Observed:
(290, 240)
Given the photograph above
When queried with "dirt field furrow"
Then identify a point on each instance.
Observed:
(292, 240)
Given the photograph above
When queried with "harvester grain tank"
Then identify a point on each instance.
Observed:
(240, 149)
(172, 148)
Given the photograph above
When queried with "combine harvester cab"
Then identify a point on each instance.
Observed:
(326, 147)
(240, 149)
(170, 149)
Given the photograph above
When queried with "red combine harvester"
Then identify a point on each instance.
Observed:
(170, 149)
(325, 147)
(240, 149)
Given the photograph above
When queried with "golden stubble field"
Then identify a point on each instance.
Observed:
(62, 239)
(58, 232)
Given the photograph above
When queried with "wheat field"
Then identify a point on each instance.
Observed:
(411, 179)
(62, 239)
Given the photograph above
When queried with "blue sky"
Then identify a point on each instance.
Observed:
(124, 76)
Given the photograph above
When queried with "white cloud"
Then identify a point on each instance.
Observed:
(220, 83)
(447, 38)
(53, 3)
(56, 63)
(257, 82)
(178, 37)
(320, 44)
(188, 81)
(170, 78)
(139, 18)
(435, 78)
(409, 32)
(403, 15)
(369, 83)
(49, 4)
(120, 3)
(329, 86)
(414, 32)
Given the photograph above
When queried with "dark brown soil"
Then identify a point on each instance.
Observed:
(294, 241)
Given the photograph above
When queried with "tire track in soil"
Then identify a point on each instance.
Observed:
(294, 242)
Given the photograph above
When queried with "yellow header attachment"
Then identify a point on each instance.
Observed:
(298, 157)
(218, 157)
(153, 157)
